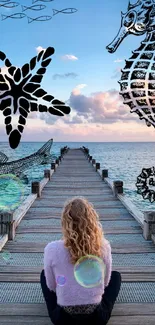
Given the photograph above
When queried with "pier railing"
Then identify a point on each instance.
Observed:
(145, 219)
(10, 220)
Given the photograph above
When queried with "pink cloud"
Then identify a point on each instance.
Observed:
(102, 107)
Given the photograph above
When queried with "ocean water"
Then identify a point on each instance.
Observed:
(124, 161)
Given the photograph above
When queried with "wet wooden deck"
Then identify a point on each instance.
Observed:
(21, 300)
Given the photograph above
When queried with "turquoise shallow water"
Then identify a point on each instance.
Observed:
(123, 160)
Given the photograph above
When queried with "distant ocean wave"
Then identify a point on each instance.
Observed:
(123, 160)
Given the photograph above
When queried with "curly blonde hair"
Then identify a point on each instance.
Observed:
(82, 231)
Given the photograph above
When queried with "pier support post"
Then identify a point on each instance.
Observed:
(53, 166)
(7, 225)
(93, 161)
(57, 161)
(97, 166)
(118, 187)
(36, 189)
(149, 224)
(47, 173)
(104, 173)
(63, 151)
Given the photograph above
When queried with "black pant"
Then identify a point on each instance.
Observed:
(101, 314)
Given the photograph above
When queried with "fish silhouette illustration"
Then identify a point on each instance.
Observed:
(41, 18)
(14, 16)
(33, 1)
(18, 167)
(3, 158)
(64, 11)
(35, 7)
(137, 84)
(20, 91)
(9, 4)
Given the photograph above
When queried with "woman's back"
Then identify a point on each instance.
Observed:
(60, 277)
(77, 281)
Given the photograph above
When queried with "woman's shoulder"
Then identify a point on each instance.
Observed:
(53, 245)
(106, 243)
(106, 247)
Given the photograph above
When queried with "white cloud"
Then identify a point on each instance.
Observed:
(76, 90)
(118, 60)
(69, 57)
(39, 49)
(81, 86)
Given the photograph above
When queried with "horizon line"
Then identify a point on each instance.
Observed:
(84, 141)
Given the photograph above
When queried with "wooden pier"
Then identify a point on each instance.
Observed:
(37, 222)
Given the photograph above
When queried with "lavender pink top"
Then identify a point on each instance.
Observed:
(57, 263)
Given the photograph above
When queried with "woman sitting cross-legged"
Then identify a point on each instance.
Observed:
(78, 284)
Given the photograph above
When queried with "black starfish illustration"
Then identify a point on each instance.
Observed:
(20, 90)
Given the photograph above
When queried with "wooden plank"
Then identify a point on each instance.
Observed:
(21, 211)
(56, 201)
(89, 196)
(3, 240)
(51, 204)
(153, 238)
(10, 269)
(134, 211)
(39, 248)
(79, 191)
(106, 210)
(117, 212)
(25, 320)
(132, 320)
(47, 229)
(114, 320)
(41, 310)
(129, 205)
(102, 218)
(69, 186)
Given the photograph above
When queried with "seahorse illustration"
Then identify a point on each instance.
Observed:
(138, 76)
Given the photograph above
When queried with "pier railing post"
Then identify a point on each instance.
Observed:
(59, 158)
(57, 161)
(7, 224)
(85, 150)
(53, 166)
(63, 151)
(47, 173)
(97, 166)
(117, 187)
(104, 173)
(149, 224)
(36, 188)
(90, 158)
(93, 161)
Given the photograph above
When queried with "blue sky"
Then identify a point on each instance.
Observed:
(83, 35)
